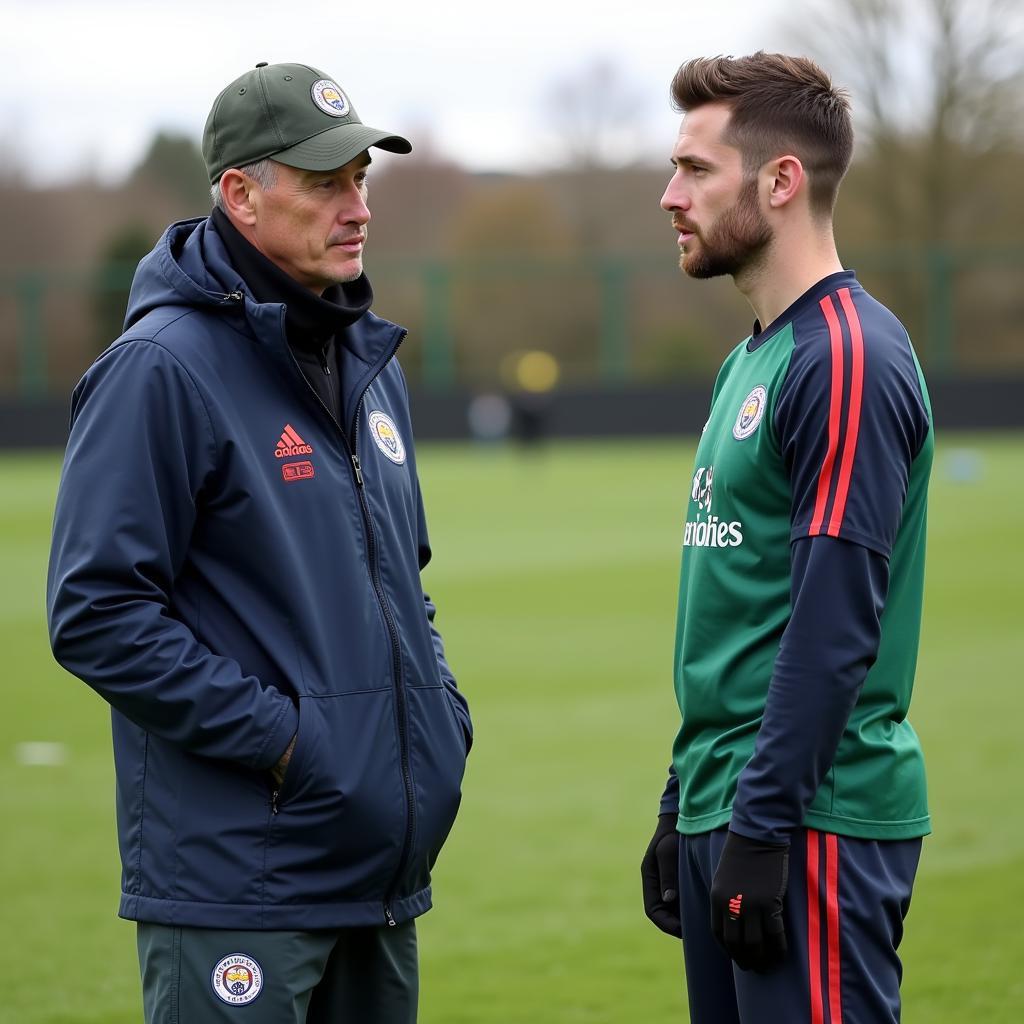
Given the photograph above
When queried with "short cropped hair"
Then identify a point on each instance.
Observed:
(778, 104)
(263, 172)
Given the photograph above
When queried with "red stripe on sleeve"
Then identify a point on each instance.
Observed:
(835, 334)
(853, 419)
(835, 996)
(814, 930)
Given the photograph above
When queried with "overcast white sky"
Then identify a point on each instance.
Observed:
(84, 85)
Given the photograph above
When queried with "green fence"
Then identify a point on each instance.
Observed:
(608, 321)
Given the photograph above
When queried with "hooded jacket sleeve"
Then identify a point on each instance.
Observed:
(141, 451)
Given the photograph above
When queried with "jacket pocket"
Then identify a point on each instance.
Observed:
(438, 759)
(341, 818)
(282, 792)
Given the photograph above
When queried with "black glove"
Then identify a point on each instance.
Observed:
(659, 871)
(746, 902)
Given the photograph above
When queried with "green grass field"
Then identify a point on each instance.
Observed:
(555, 577)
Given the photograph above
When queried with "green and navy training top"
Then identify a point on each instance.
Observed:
(801, 582)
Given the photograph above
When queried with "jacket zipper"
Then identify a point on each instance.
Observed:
(401, 708)
(401, 712)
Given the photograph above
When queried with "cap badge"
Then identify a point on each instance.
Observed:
(329, 98)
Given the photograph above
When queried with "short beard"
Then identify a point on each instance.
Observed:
(734, 241)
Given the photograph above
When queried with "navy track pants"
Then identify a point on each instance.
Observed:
(843, 910)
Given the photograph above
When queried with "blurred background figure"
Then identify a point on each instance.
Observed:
(531, 378)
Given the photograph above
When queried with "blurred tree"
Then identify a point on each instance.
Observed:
(174, 164)
(596, 117)
(517, 284)
(415, 200)
(12, 170)
(938, 93)
(596, 121)
(117, 262)
(514, 218)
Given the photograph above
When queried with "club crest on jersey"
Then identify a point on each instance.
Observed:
(750, 413)
(385, 433)
(237, 979)
(329, 98)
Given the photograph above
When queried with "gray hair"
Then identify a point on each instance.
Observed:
(263, 172)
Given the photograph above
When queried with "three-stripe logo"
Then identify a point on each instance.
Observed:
(291, 444)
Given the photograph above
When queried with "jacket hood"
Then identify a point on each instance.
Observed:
(189, 266)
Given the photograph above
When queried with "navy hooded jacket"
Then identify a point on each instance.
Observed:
(231, 566)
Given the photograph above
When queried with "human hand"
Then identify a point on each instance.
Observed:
(746, 902)
(279, 769)
(659, 873)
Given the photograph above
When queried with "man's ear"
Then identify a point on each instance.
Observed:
(236, 194)
(785, 176)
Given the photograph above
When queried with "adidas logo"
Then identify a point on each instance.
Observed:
(736, 906)
(291, 444)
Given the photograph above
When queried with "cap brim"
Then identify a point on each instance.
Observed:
(334, 147)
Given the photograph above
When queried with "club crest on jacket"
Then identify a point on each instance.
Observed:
(385, 433)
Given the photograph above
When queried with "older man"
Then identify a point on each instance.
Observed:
(236, 565)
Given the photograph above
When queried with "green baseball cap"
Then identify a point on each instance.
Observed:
(293, 113)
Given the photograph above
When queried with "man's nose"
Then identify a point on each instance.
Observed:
(356, 211)
(674, 198)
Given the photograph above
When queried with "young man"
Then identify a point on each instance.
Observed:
(236, 565)
(791, 827)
